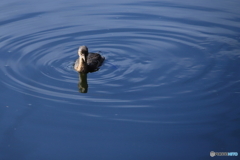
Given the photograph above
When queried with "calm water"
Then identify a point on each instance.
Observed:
(169, 88)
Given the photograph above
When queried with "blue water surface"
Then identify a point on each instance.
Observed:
(168, 89)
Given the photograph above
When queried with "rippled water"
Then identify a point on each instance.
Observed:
(170, 85)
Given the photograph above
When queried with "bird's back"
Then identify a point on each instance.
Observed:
(94, 60)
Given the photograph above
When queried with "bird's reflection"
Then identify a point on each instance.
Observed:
(82, 84)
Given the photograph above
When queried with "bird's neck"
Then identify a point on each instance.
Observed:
(82, 65)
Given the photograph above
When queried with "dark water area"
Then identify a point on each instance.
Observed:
(168, 89)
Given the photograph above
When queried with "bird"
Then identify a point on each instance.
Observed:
(88, 62)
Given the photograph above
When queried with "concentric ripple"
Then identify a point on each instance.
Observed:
(167, 61)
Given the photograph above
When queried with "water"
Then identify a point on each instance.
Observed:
(169, 88)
